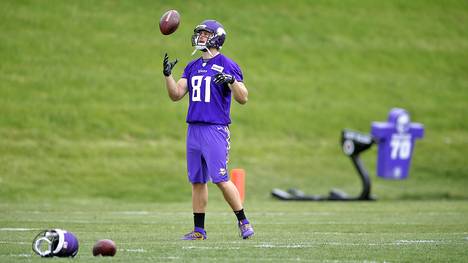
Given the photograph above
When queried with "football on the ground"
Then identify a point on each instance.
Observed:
(104, 247)
(169, 22)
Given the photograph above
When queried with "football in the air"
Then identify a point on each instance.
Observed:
(104, 247)
(169, 22)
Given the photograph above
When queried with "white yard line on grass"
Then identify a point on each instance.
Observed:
(210, 248)
(21, 255)
(134, 250)
(131, 213)
(170, 257)
(15, 242)
(315, 244)
(17, 229)
(406, 242)
(284, 246)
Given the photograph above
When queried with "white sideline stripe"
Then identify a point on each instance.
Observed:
(15, 242)
(284, 246)
(314, 244)
(17, 229)
(183, 222)
(210, 248)
(21, 255)
(131, 212)
(135, 250)
(256, 214)
(170, 257)
(343, 223)
(417, 241)
(145, 212)
(288, 246)
(272, 259)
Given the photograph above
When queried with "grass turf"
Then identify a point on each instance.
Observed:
(390, 231)
(83, 102)
(84, 116)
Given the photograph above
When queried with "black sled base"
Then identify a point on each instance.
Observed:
(353, 144)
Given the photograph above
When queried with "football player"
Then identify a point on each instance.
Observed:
(210, 81)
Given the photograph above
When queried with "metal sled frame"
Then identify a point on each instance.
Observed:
(353, 143)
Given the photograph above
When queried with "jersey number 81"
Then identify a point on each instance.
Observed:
(197, 82)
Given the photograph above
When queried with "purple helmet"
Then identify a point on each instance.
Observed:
(55, 242)
(215, 41)
(400, 118)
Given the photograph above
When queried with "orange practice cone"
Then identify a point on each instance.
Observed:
(238, 179)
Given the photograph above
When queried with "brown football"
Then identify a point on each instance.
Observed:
(104, 247)
(169, 22)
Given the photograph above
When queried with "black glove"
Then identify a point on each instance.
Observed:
(168, 66)
(222, 78)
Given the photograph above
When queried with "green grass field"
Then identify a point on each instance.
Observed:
(85, 117)
(409, 231)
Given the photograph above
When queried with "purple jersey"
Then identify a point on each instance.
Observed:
(396, 139)
(209, 102)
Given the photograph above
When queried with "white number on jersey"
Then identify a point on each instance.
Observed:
(197, 82)
(401, 147)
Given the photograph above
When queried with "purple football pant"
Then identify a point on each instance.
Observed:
(207, 153)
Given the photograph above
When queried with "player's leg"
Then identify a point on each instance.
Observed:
(199, 202)
(197, 175)
(231, 194)
(216, 153)
(199, 197)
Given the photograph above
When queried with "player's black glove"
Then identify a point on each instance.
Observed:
(222, 78)
(168, 66)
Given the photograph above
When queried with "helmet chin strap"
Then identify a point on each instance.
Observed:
(203, 49)
(208, 50)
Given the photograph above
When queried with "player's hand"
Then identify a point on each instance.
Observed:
(222, 78)
(168, 66)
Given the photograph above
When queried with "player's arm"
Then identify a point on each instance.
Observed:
(238, 88)
(239, 92)
(175, 90)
